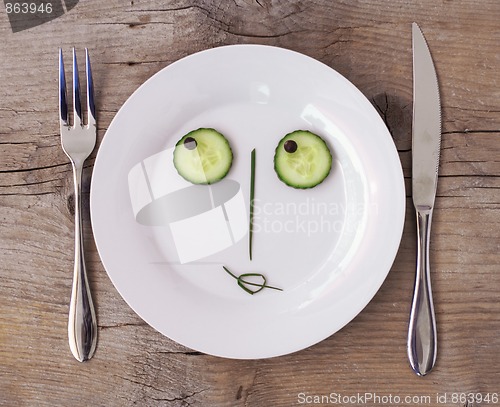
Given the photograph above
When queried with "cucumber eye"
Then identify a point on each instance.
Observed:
(290, 146)
(203, 156)
(190, 143)
(303, 167)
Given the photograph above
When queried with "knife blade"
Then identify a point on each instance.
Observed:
(426, 142)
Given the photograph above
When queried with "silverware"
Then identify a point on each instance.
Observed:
(78, 141)
(422, 335)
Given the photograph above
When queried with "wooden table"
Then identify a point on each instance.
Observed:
(369, 42)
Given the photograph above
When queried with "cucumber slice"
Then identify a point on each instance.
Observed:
(203, 156)
(302, 159)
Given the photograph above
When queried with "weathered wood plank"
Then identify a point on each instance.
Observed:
(369, 42)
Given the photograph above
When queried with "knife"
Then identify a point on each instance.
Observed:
(426, 142)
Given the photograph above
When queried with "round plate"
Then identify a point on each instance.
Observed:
(164, 242)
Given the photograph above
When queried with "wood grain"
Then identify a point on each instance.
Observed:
(369, 42)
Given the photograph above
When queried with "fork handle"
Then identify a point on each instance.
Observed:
(82, 324)
(422, 333)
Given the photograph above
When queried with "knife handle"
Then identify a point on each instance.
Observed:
(422, 333)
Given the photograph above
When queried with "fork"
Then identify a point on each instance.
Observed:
(78, 141)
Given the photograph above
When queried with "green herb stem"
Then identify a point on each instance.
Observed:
(252, 194)
(244, 283)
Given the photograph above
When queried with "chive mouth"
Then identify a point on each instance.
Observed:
(247, 285)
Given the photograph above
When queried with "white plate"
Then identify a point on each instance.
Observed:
(329, 248)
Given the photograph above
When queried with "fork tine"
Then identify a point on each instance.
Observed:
(77, 107)
(90, 92)
(63, 103)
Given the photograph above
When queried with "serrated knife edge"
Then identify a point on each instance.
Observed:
(426, 138)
